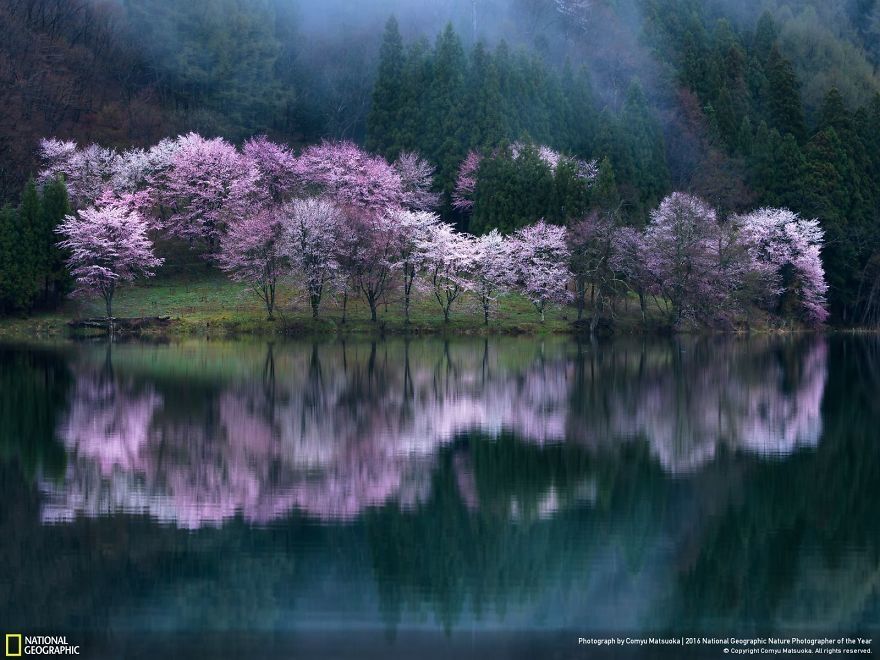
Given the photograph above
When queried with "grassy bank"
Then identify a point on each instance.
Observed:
(208, 304)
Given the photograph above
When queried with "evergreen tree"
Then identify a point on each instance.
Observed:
(484, 101)
(785, 105)
(513, 192)
(744, 137)
(571, 194)
(384, 120)
(9, 281)
(647, 152)
(605, 194)
(580, 112)
(54, 206)
(28, 247)
(828, 196)
(445, 134)
(766, 34)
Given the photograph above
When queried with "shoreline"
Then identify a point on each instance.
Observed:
(42, 328)
(211, 307)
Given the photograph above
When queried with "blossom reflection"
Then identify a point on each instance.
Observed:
(330, 430)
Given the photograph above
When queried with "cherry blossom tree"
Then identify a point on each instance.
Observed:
(350, 176)
(275, 164)
(87, 172)
(629, 258)
(739, 279)
(251, 251)
(591, 243)
(449, 261)
(208, 186)
(789, 247)
(108, 245)
(541, 257)
(491, 271)
(136, 170)
(311, 231)
(417, 179)
(682, 240)
(412, 229)
(466, 183)
(366, 250)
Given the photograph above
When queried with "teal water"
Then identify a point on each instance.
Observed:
(332, 496)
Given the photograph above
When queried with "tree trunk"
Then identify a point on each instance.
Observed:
(344, 304)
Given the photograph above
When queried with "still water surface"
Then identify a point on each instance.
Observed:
(452, 489)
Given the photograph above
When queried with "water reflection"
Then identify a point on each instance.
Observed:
(336, 428)
(699, 484)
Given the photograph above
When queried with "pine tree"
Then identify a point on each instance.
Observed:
(484, 101)
(828, 194)
(785, 105)
(54, 206)
(445, 136)
(744, 137)
(646, 147)
(9, 281)
(571, 194)
(383, 121)
(27, 252)
(766, 34)
(580, 112)
(606, 197)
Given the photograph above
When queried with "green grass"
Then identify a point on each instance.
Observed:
(209, 304)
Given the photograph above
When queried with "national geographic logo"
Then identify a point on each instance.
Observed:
(18, 645)
(13, 646)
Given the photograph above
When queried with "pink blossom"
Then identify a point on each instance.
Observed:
(780, 238)
(541, 262)
(352, 177)
(466, 183)
(683, 255)
(367, 250)
(209, 185)
(411, 230)
(449, 259)
(311, 229)
(251, 251)
(417, 179)
(108, 245)
(492, 270)
(87, 172)
(275, 164)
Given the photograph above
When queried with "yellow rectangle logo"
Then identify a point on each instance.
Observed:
(13, 646)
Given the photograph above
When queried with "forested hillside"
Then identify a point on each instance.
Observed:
(743, 104)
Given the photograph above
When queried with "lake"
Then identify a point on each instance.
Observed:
(497, 497)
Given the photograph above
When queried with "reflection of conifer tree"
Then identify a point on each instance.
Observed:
(269, 384)
(34, 391)
(314, 398)
(408, 391)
